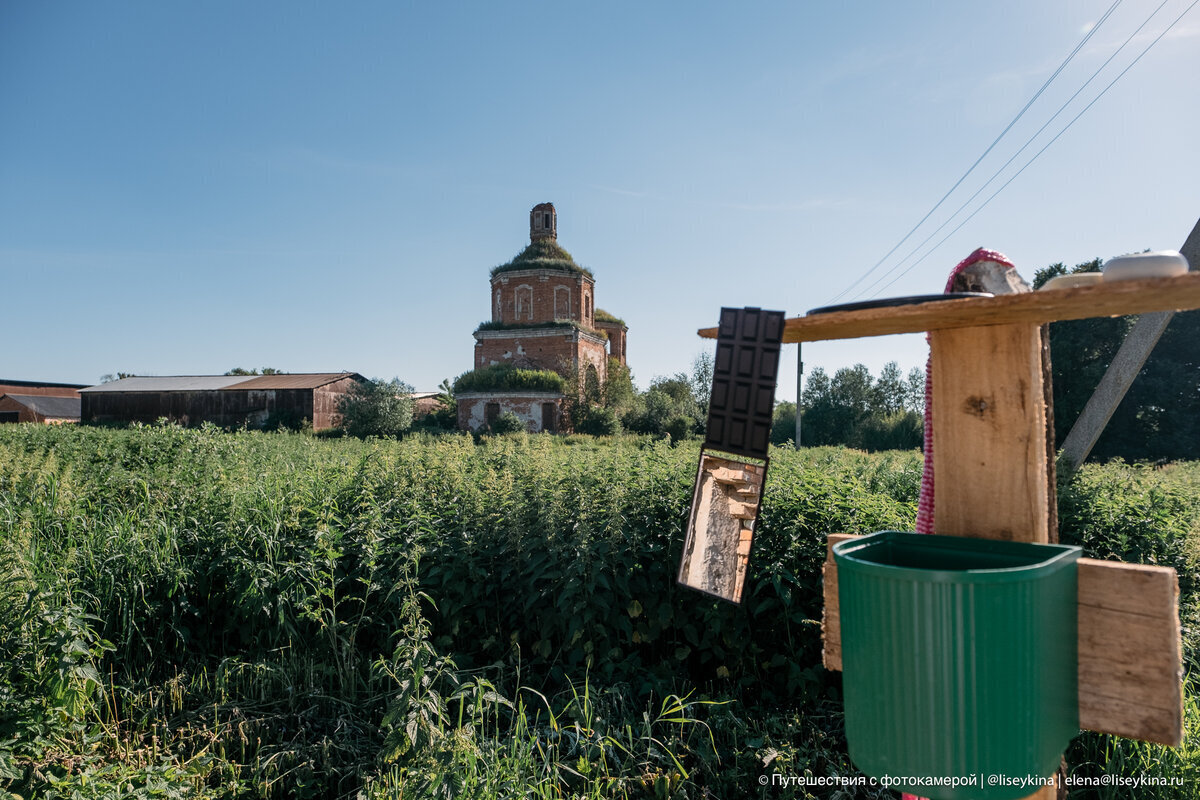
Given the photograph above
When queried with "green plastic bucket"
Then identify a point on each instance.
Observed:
(958, 661)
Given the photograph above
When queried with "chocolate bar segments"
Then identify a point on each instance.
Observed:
(744, 372)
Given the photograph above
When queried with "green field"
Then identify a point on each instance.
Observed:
(191, 613)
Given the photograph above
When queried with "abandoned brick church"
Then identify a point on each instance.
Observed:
(543, 318)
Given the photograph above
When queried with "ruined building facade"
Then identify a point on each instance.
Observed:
(543, 317)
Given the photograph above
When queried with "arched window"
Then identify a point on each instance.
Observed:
(562, 302)
(524, 302)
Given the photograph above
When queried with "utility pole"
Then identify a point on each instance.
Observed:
(799, 389)
(1117, 379)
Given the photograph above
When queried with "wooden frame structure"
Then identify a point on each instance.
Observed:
(995, 480)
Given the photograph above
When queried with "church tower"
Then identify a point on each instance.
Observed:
(543, 317)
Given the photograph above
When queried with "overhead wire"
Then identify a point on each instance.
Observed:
(1011, 159)
(989, 149)
(1046, 146)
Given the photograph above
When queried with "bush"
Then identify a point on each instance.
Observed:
(508, 422)
(507, 378)
(377, 408)
(599, 421)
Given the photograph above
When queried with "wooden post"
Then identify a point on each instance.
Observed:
(799, 388)
(989, 433)
(994, 480)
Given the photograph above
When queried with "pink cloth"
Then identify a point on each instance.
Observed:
(925, 504)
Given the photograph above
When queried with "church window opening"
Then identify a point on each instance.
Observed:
(562, 302)
(524, 302)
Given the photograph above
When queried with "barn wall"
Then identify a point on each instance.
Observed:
(26, 414)
(227, 408)
(325, 403)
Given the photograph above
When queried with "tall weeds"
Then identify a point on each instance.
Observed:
(189, 613)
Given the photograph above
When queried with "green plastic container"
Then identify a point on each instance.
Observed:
(958, 660)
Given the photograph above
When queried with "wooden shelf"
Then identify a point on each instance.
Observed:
(1102, 300)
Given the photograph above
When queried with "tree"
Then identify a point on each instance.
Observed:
(854, 409)
(618, 389)
(263, 371)
(702, 376)
(377, 408)
(667, 408)
(1160, 415)
(914, 391)
(783, 423)
(890, 389)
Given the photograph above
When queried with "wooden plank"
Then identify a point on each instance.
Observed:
(831, 631)
(1112, 299)
(1130, 651)
(989, 433)
(1130, 647)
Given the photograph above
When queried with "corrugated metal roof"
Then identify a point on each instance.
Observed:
(168, 383)
(209, 383)
(299, 380)
(49, 406)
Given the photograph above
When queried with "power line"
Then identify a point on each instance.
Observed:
(1013, 157)
(996, 141)
(1045, 147)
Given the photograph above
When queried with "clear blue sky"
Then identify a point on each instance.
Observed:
(189, 187)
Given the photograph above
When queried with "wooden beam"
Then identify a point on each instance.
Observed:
(1116, 298)
(989, 433)
(1130, 647)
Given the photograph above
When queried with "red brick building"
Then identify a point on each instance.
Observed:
(38, 401)
(543, 317)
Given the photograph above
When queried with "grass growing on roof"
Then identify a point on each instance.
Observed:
(507, 378)
(543, 254)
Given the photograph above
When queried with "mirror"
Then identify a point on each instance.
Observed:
(721, 526)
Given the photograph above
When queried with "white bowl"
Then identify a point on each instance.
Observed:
(1074, 281)
(1155, 264)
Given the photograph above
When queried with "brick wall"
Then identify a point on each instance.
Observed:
(616, 339)
(542, 295)
(541, 348)
(540, 411)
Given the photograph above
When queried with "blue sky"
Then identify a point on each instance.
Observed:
(185, 188)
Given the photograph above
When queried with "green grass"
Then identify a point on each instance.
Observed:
(190, 613)
(543, 254)
(507, 378)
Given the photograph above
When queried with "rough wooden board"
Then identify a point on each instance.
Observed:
(989, 433)
(1101, 300)
(1130, 657)
(1130, 651)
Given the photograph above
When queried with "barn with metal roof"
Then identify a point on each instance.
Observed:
(231, 401)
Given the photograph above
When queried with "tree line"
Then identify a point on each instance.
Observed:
(854, 408)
